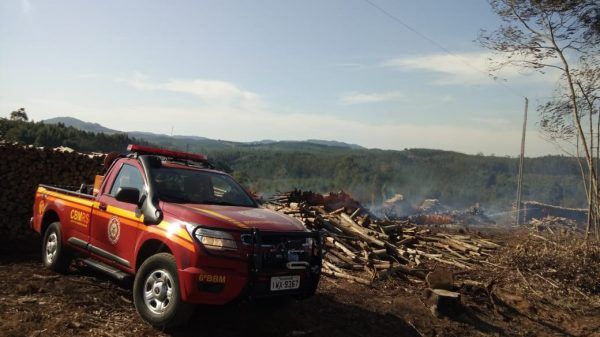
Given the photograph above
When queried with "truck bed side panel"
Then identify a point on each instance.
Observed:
(74, 212)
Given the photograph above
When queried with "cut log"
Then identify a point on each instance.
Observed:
(406, 241)
(327, 225)
(341, 256)
(356, 279)
(357, 232)
(440, 278)
(487, 244)
(341, 246)
(337, 211)
(355, 213)
(442, 302)
(391, 228)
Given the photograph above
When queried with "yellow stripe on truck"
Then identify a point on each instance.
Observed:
(123, 213)
(221, 216)
(170, 231)
(165, 229)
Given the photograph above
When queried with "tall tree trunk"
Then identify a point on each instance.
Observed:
(577, 120)
(592, 198)
(593, 192)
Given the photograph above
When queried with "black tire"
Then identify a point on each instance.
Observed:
(163, 267)
(55, 256)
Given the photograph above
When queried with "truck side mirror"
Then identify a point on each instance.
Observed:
(130, 195)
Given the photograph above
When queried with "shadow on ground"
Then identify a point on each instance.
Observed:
(35, 302)
(86, 299)
(321, 315)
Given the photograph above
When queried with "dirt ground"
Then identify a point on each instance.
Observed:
(513, 302)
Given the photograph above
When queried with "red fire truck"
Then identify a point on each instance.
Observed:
(187, 234)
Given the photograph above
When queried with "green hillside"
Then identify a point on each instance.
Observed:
(54, 135)
(370, 175)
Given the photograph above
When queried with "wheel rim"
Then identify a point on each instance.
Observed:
(51, 247)
(158, 291)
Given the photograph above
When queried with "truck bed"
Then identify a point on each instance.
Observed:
(85, 191)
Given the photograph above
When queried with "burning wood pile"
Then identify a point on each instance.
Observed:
(362, 248)
(432, 212)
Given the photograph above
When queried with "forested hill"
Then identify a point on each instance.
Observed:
(370, 175)
(40, 134)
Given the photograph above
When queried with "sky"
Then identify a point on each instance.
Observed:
(281, 70)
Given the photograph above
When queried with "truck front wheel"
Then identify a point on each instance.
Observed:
(56, 256)
(156, 292)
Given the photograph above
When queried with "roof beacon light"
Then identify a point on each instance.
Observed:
(166, 153)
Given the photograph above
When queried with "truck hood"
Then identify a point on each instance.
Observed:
(232, 217)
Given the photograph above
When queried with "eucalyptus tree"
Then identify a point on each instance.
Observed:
(564, 36)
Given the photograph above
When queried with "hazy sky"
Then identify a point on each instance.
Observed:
(252, 70)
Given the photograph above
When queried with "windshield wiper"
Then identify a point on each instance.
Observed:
(223, 203)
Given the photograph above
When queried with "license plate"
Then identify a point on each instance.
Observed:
(285, 282)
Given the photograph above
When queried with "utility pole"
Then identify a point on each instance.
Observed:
(521, 163)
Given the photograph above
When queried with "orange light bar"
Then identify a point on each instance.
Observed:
(167, 153)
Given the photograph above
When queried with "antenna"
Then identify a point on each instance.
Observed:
(521, 163)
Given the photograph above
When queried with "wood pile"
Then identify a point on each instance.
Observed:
(432, 212)
(22, 169)
(362, 248)
(538, 210)
(553, 225)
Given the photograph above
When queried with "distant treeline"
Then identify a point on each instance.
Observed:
(369, 175)
(373, 175)
(55, 135)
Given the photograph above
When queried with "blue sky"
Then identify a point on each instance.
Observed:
(252, 70)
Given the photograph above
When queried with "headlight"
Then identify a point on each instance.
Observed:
(309, 243)
(311, 246)
(212, 238)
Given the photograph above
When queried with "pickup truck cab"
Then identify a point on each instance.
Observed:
(187, 233)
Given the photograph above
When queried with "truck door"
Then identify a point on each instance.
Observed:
(115, 224)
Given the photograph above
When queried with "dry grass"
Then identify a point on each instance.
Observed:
(558, 260)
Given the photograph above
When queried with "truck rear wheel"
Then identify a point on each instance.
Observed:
(156, 292)
(56, 257)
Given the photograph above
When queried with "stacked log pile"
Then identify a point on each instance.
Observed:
(362, 248)
(23, 168)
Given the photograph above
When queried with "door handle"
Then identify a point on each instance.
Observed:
(102, 206)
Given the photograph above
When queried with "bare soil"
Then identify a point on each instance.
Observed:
(515, 301)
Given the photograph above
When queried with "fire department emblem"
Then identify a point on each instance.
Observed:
(114, 230)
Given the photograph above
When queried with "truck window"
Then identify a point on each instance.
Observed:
(220, 186)
(129, 176)
(199, 187)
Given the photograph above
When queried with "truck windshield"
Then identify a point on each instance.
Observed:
(199, 187)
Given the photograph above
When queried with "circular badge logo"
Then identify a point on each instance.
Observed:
(114, 230)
